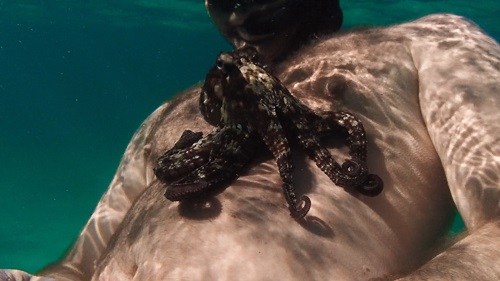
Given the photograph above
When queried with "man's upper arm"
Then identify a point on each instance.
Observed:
(459, 91)
(459, 79)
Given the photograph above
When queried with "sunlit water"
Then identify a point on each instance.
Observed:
(77, 80)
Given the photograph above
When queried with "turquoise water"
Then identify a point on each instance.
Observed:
(76, 80)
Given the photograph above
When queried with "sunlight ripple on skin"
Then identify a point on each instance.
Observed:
(427, 94)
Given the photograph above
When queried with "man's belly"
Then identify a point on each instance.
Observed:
(246, 232)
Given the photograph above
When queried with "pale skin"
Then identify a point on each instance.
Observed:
(428, 94)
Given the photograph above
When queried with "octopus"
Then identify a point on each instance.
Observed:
(252, 109)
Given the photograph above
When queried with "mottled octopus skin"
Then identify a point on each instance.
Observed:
(251, 108)
(205, 163)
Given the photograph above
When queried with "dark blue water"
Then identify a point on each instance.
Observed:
(77, 80)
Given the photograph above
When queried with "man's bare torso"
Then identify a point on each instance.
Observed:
(405, 83)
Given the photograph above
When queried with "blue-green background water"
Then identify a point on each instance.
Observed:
(78, 77)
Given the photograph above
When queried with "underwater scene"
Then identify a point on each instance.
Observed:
(77, 78)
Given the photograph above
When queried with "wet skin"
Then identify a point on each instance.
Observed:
(427, 94)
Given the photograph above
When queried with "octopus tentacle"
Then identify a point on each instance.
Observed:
(188, 153)
(187, 139)
(231, 150)
(209, 104)
(356, 141)
(275, 139)
(343, 175)
(356, 136)
(353, 172)
(372, 186)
